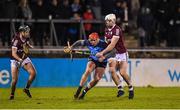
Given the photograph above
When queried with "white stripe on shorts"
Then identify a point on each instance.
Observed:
(15, 63)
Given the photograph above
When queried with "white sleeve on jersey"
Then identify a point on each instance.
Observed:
(15, 43)
(115, 36)
(117, 33)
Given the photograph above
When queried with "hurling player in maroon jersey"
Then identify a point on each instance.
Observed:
(114, 38)
(19, 58)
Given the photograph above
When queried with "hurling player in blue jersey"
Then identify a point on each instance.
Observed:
(94, 45)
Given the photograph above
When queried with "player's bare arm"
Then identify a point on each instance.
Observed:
(69, 48)
(109, 47)
(14, 54)
(77, 43)
(29, 45)
(108, 55)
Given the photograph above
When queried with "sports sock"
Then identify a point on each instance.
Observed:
(86, 90)
(120, 87)
(79, 89)
(13, 90)
(131, 88)
(28, 84)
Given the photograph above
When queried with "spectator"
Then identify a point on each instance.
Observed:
(146, 21)
(96, 7)
(88, 15)
(161, 15)
(135, 5)
(142, 35)
(76, 7)
(174, 28)
(65, 8)
(119, 12)
(107, 7)
(7, 10)
(126, 16)
(24, 10)
(73, 30)
(40, 29)
(54, 11)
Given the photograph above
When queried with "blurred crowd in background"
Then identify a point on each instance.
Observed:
(154, 21)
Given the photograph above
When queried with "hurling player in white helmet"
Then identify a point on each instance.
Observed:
(115, 39)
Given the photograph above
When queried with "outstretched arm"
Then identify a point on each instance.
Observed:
(77, 43)
(68, 49)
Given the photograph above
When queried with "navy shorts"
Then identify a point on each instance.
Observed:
(98, 64)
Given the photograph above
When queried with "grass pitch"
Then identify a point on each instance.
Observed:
(97, 98)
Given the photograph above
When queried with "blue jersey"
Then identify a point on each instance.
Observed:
(95, 49)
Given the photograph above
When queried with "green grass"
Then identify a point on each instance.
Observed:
(97, 98)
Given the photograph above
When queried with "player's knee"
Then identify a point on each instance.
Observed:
(123, 72)
(112, 70)
(97, 79)
(87, 72)
(32, 73)
(111, 61)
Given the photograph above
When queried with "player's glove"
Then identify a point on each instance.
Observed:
(20, 62)
(67, 50)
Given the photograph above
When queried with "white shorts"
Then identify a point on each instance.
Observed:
(15, 63)
(121, 57)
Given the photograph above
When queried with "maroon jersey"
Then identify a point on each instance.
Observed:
(116, 31)
(18, 43)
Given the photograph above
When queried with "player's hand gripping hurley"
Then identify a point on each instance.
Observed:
(25, 52)
(68, 49)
